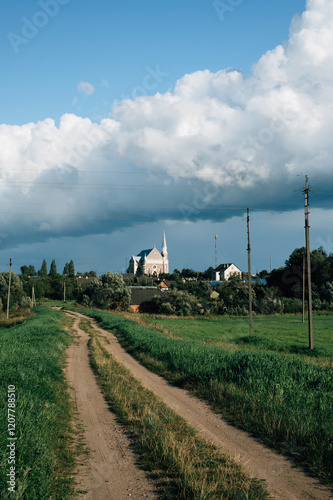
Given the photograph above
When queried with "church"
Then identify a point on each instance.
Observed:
(150, 262)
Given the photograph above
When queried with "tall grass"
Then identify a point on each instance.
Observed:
(285, 334)
(197, 469)
(284, 400)
(31, 359)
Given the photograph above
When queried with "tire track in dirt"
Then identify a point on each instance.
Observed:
(111, 471)
(284, 480)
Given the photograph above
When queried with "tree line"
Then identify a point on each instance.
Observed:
(69, 270)
(192, 292)
(282, 293)
(49, 283)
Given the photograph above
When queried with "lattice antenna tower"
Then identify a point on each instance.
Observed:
(215, 237)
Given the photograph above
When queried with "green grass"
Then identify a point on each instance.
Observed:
(31, 359)
(190, 467)
(57, 303)
(282, 399)
(284, 333)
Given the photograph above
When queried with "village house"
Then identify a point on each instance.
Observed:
(225, 271)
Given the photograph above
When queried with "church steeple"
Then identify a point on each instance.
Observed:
(165, 255)
(164, 246)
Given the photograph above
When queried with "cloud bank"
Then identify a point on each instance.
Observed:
(218, 140)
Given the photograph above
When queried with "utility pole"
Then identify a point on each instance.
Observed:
(303, 295)
(64, 290)
(308, 260)
(33, 297)
(9, 281)
(249, 269)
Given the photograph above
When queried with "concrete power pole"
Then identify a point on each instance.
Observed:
(64, 290)
(308, 260)
(249, 269)
(303, 291)
(9, 282)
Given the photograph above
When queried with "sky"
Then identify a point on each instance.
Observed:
(121, 120)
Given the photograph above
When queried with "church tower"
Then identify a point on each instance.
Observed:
(165, 255)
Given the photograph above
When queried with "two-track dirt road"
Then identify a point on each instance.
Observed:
(111, 471)
(284, 481)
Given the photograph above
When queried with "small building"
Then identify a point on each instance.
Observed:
(163, 285)
(225, 271)
(140, 294)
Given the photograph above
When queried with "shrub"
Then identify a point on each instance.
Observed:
(26, 303)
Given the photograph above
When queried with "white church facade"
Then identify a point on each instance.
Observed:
(151, 262)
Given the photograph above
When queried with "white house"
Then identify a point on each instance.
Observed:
(225, 271)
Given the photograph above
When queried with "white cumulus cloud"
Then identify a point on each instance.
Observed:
(217, 140)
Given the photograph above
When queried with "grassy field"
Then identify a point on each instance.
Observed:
(31, 360)
(188, 466)
(284, 400)
(285, 334)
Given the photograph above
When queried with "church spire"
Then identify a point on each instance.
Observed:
(164, 245)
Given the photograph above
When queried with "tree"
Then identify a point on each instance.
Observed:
(208, 274)
(263, 274)
(109, 292)
(16, 289)
(189, 273)
(66, 269)
(139, 271)
(295, 260)
(32, 270)
(175, 302)
(24, 270)
(71, 269)
(43, 270)
(116, 294)
(53, 269)
(91, 274)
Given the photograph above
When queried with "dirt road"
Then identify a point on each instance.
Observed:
(111, 471)
(284, 480)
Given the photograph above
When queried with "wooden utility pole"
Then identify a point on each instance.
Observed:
(303, 295)
(308, 260)
(249, 269)
(9, 282)
(64, 290)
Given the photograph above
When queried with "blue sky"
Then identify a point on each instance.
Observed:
(124, 119)
(114, 42)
